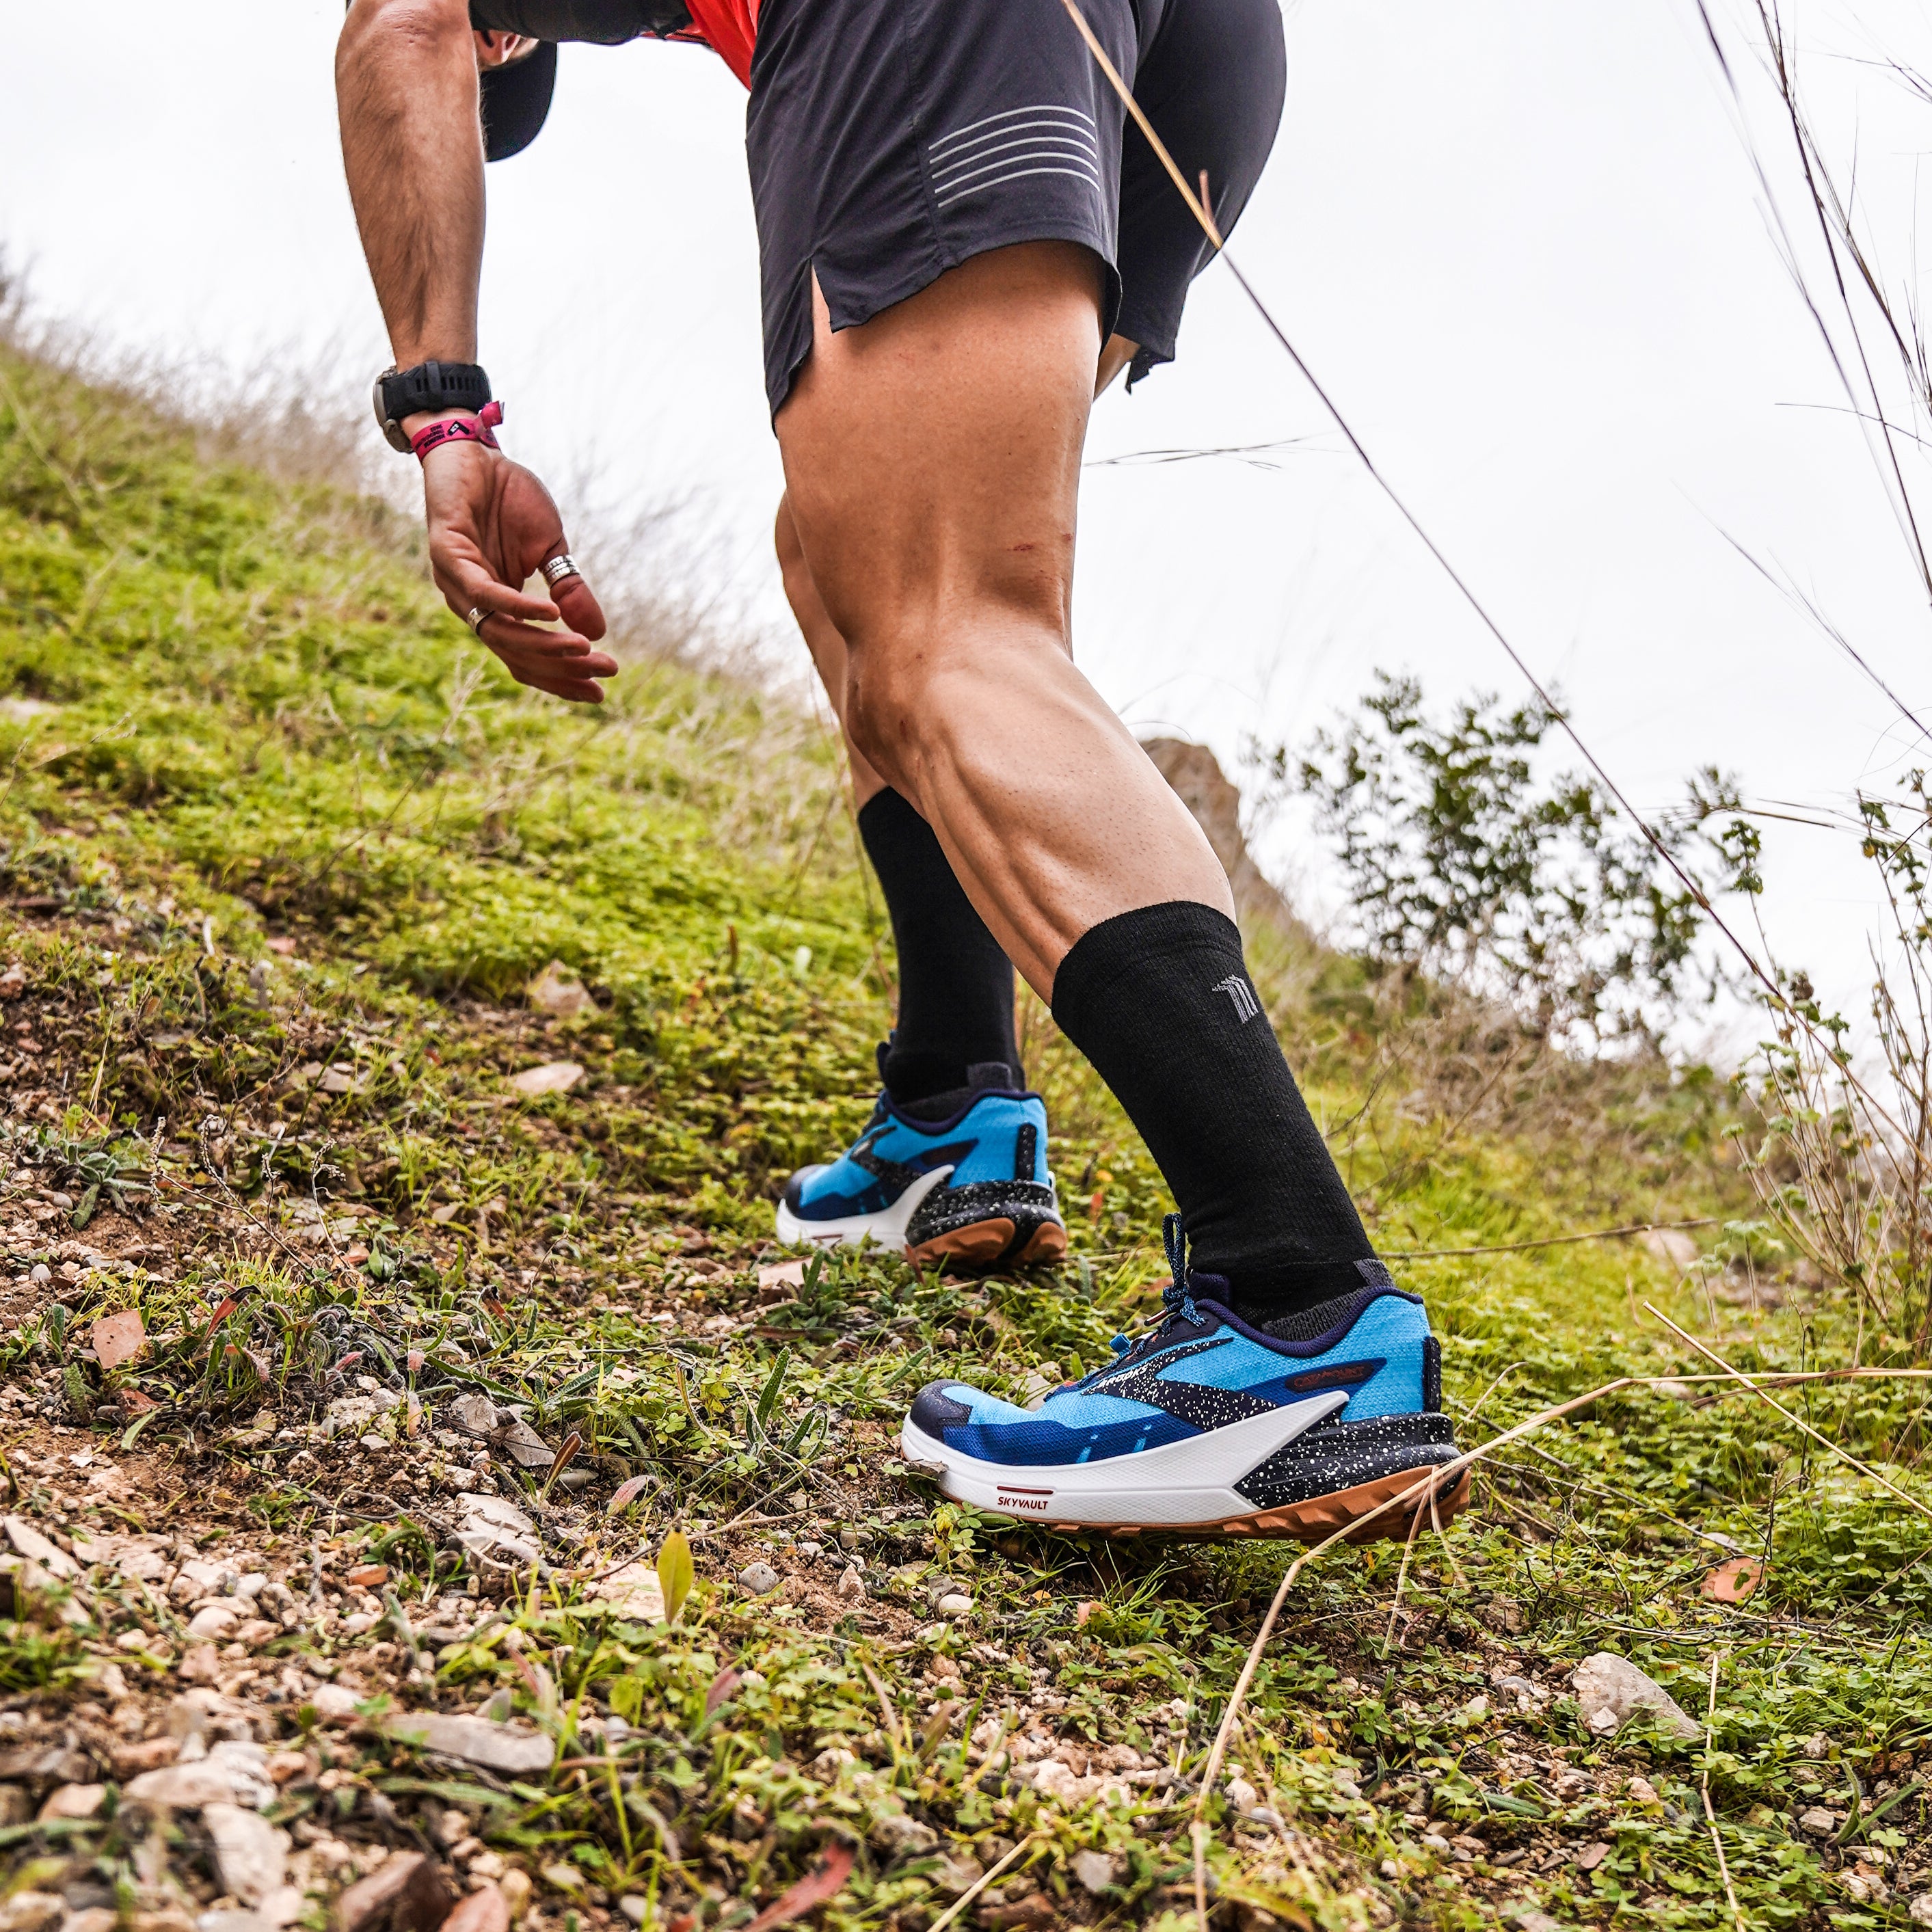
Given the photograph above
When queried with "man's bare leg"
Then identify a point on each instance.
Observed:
(932, 461)
(822, 640)
(821, 635)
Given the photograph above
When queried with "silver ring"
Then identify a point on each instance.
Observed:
(556, 568)
(474, 618)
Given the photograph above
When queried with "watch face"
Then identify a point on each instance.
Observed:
(392, 431)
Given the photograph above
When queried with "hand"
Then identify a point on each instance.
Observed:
(491, 524)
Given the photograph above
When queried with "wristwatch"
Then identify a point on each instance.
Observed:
(429, 385)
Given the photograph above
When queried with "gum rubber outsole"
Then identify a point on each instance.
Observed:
(985, 1243)
(1316, 1519)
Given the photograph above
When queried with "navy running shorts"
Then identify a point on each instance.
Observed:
(890, 140)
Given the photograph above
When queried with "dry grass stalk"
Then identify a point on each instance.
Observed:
(1797, 1421)
(1704, 1789)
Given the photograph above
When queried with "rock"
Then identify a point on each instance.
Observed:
(634, 1906)
(563, 1878)
(213, 1622)
(369, 1576)
(32, 1911)
(490, 1524)
(1531, 1920)
(45, 1767)
(73, 1800)
(1920, 1910)
(406, 1895)
(1817, 1822)
(119, 1338)
(954, 1605)
(1816, 1746)
(476, 1740)
(200, 1664)
(554, 1076)
(250, 1853)
(852, 1583)
(1242, 1796)
(13, 984)
(523, 1444)
(633, 1590)
(183, 1787)
(333, 1700)
(894, 1831)
(516, 1889)
(959, 1874)
(484, 1910)
(760, 1579)
(476, 1412)
(558, 991)
(1609, 1685)
(1592, 1856)
(1094, 1870)
(35, 1547)
(781, 1274)
(103, 1918)
(1671, 1246)
(1195, 775)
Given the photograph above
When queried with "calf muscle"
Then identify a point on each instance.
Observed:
(932, 460)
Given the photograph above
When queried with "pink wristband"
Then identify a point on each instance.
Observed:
(459, 429)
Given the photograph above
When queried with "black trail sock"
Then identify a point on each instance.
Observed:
(955, 985)
(1160, 1000)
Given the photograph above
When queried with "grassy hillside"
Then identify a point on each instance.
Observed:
(284, 851)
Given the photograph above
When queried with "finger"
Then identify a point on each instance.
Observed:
(467, 586)
(560, 679)
(574, 597)
(506, 637)
(581, 610)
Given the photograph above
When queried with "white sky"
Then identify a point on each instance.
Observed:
(1521, 243)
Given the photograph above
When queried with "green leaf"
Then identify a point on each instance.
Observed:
(676, 1573)
(83, 1208)
(774, 1387)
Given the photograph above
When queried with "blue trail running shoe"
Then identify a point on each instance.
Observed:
(964, 1180)
(1210, 1427)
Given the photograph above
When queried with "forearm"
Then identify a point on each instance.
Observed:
(407, 91)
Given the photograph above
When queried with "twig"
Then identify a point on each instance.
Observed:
(1550, 1241)
(1704, 1789)
(979, 1885)
(1796, 1421)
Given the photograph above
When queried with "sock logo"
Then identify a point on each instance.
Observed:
(1242, 995)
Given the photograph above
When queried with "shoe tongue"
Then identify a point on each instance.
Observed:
(1215, 1287)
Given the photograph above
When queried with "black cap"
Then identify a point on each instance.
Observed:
(516, 99)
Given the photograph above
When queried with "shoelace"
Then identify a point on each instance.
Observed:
(1176, 1298)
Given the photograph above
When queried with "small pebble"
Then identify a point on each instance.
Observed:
(954, 1605)
(759, 1578)
(634, 1907)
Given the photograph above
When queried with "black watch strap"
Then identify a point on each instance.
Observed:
(428, 386)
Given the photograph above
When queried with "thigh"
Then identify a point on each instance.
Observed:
(932, 454)
(1212, 82)
(890, 141)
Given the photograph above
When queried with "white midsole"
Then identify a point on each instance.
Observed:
(1187, 1482)
(887, 1228)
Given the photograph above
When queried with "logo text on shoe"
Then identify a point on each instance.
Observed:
(1341, 1374)
(1242, 995)
(1035, 1500)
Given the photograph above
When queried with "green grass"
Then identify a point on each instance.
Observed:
(236, 711)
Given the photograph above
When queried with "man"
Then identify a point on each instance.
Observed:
(957, 233)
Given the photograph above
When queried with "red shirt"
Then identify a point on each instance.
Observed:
(730, 27)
